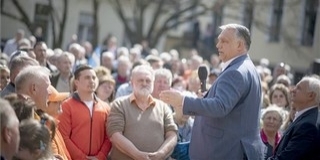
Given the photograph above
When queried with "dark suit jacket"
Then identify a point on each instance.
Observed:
(301, 141)
(226, 125)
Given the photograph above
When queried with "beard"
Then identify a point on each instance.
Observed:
(145, 91)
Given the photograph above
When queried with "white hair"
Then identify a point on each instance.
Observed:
(74, 46)
(278, 110)
(122, 51)
(164, 72)
(313, 86)
(165, 56)
(142, 68)
(108, 54)
(30, 74)
(69, 55)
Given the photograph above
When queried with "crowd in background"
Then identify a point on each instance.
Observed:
(113, 66)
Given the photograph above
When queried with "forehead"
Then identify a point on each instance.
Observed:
(87, 72)
(303, 84)
(141, 75)
(227, 33)
(278, 91)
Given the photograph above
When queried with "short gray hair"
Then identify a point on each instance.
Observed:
(7, 114)
(165, 73)
(313, 86)
(141, 68)
(241, 32)
(278, 110)
(30, 74)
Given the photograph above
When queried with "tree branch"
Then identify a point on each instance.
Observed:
(118, 9)
(11, 15)
(193, 5)
(165, 28)
(24, 15)
(156, 16)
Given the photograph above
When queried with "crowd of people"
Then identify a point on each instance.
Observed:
(136, 103)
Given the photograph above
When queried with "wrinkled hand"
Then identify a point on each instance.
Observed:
(142, 156)
(92, 158)
(172, 97)
(157, 156)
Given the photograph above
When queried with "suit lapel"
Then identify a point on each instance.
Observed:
(294, 123)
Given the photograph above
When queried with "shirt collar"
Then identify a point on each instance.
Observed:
(151, 100)
(299, 113)
(224, 65)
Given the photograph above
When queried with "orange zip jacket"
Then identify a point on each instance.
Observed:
(83, 134)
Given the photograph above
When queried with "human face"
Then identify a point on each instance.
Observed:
(64, 65)
(54, 109)
(107, 62)
(142, 84)
(228, 45)
(41, 53)
(40, 92)
(123, 68)
(300, 95)
(105, 90)
(161, 83)
(4, 78)
(279, 98)
(271, 121)
(87, 81)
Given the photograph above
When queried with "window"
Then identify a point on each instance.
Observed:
(309, 22)
(276, 18)
(85, 27)
(248, 13)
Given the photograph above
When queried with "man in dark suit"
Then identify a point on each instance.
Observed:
(226, 122)
(301, 141)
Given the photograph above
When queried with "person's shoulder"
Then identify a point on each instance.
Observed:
(121, 100)
(10, 41)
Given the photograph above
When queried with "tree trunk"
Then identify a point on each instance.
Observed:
(95, 4)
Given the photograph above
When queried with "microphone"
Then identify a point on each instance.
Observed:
(203, 74)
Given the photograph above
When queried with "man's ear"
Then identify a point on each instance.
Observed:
(312, 95)
(7, 134)
(32, 88)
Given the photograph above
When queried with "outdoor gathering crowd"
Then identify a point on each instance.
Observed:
(118, 103)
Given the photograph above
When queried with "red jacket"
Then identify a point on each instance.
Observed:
(83, 134)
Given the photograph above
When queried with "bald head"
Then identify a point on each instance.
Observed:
(9, 134)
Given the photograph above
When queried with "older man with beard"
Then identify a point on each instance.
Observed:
(140, 126)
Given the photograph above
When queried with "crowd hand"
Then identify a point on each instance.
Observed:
(157, 156)
(142, 156)
(172, 97)
(92, 158)
(58, 157)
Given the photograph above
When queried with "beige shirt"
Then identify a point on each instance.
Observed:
(145, 129)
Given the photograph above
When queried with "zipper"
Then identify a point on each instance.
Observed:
(90, 134)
